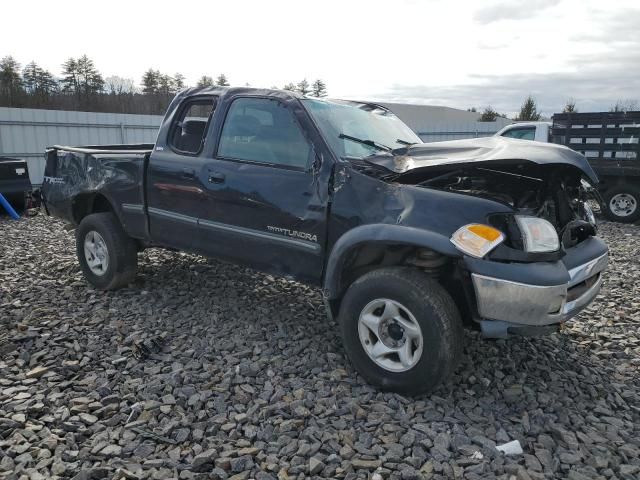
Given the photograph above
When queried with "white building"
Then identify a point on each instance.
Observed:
(436, 124)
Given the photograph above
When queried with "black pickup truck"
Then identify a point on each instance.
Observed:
(408, 241)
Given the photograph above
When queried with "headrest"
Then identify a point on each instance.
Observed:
(244, 126)
(193, 127)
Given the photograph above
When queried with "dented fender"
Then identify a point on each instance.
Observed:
(76, 174)
(380, 233)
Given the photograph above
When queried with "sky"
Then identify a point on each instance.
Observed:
(440, 52)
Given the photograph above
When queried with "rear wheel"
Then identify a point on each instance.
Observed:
(401, 330)
(107, 255)
(622, 203)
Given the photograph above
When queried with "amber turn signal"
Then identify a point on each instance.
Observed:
(477, 239)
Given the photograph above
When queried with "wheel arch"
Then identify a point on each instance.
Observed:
(86, 203)
(372, 246)
(608, 182)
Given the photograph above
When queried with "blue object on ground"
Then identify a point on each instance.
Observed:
(7, 206)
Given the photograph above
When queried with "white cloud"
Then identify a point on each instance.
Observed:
(438, 51)
(513, 10)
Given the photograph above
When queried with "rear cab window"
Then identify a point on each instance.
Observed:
(189, 127)
(263, 130)
(522, 133)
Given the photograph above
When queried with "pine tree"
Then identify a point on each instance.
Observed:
(570, 107)
(38, 83)
(222, 81)
(46, 82)
(10, 81)
(81, 78)
(488, 115)
(178, 82)
(151, 82)
(205, 81)
(29, 75)
(70, 80)
(529, 110)
(165, 84)
(319, 89)
(290, 86)
(303, 87)
(91, 81)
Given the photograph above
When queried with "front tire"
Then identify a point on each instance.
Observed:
(622, 203)
(108, 257)
(401, 330)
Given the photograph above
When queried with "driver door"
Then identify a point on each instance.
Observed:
(266, 206)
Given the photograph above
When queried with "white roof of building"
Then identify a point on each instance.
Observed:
(432, 118)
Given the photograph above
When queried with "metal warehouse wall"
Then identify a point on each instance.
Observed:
(26, 132)
(458, 131)
(436, 123)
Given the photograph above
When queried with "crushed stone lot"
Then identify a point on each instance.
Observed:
(247, 378)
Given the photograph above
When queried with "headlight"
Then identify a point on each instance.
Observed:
(538, 234)
(477, 240)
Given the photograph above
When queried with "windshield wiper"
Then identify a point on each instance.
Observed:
(404, 142)
(370, 143)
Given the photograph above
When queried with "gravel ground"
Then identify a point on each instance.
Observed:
(252, 382)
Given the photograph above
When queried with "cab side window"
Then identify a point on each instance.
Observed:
(189, 127)
(265, 131)
(521, 133)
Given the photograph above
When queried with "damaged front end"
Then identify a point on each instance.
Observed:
(536, 260)
(558, 195)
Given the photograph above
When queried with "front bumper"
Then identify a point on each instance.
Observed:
(540, 294)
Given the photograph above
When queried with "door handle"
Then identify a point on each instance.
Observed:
(188, 173)
(216, 177)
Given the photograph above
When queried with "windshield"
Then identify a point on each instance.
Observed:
(348, 125)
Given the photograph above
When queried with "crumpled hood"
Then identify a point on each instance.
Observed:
(478, 150)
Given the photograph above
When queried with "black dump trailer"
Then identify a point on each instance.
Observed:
(610, 141)
(14, 181)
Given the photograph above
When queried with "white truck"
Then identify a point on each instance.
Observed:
(609, 141)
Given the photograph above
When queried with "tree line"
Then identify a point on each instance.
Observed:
(529, 110)
(81, 86)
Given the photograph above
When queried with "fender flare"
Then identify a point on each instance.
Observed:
(379, 233)
(92, 194)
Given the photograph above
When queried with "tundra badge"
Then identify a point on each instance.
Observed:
(293, 233)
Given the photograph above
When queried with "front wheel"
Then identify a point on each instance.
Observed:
(401, 330)
(107, 255)
(622, 204)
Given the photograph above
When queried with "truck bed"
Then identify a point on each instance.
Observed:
(101, 172)
(609, 140)
(102, 149)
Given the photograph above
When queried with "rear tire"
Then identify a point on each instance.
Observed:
(622, 203)
(421, 345)
(107, 255)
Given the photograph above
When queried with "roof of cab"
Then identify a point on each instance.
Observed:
(268, 92)
(283, 95)
(220, 91)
